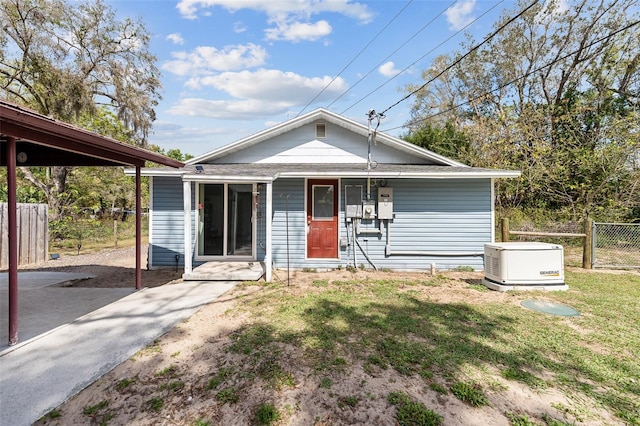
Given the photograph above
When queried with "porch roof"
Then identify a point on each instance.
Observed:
(260, 172)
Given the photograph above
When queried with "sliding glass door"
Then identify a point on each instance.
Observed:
(225, 220)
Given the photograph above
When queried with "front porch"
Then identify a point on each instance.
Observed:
(226, 271)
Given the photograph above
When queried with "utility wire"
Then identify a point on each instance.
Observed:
(390, 55)
(356, 57)
(422, 57)
(540, 68)
(460, 59)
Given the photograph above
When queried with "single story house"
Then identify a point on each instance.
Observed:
(322, 191)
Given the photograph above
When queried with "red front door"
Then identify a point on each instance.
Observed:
(322, 218)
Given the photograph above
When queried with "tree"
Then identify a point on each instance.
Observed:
(555, 94)
(67, 60)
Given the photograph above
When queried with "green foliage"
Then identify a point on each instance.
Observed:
(90, 410)
(471, 393)
(169, 371)
(445, 140)
(155, 404)
(570, 128)
(54, 414)
(350, 401)
(78, 62)
(218, 378)
(437, 387)
(124, 383)
(523, 376)
(413, 413)
(267, 414)
(519, 420)
(550, 421)
(229, 395)
(326, 383)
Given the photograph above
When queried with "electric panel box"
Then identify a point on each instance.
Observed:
(385, 203)
(524, 265)
(353, 201)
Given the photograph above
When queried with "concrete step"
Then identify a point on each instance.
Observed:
(226, 271)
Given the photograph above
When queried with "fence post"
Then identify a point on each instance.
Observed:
(115, 233)
(587, 248)
(505, 229)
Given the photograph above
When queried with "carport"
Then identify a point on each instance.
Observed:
(31, 139)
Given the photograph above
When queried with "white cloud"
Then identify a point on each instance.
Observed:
(291, 19)
(175, 38)
(256, 94)
(239, 27)
(299, 31)
(204, 60)
(272, 85)
(227, 109)
(281, 9)
(460, 14)
(388, 69)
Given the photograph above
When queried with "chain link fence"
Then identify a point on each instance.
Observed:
(616, 245)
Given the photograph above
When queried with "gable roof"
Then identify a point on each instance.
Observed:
(329, 117)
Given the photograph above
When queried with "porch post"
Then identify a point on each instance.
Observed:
(138, 231)
(186, 193)
(13, 240)
(268, 248)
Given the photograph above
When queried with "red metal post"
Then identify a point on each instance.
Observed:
(13, 241)
(138, 231)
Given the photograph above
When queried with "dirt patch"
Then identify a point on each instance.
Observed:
(112, 268)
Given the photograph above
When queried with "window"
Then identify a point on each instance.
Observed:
(322, 202)
(321, 130)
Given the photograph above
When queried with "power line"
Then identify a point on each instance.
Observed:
(460, 59)
(391, 54)
(356, 57)
(423, 56)
(540, 68)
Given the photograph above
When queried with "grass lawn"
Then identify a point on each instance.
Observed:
(464, 347)
(386, 349)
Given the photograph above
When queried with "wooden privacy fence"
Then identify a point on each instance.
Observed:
(33, 234)
(587, 238)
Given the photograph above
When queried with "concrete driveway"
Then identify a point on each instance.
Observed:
(69, 337)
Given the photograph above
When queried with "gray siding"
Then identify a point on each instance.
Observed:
(443, 215)
(288, 195)
(168, 221)
(290, 148)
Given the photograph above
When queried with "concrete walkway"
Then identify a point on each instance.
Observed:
(41, 373)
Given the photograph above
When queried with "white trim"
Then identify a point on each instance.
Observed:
(225, 196)
(186, 193)
(493, 212)
(268, 231)
(151, 171)
(400, 175)
(150, 225)
(226, 179)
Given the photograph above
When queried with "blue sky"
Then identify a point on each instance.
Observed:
(231, 68)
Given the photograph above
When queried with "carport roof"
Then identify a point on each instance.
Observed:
(31, 139)
(49, 142)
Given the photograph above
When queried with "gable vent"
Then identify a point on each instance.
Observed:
(321, 130)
